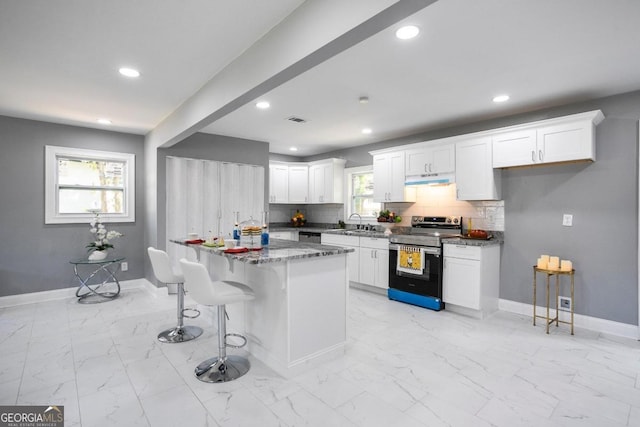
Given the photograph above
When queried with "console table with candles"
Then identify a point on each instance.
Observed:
(549, 274)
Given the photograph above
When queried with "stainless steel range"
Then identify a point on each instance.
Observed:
(415, 260)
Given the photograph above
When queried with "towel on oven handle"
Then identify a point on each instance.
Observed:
(410, 260)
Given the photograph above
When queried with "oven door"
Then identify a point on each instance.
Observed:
(426, 281)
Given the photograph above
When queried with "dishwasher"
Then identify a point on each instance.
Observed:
(309, 236)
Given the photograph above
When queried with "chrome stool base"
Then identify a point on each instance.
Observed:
(180, 334)
(215, 370)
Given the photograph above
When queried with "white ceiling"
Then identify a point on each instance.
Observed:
(59, 61)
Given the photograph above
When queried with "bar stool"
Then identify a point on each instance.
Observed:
(164, 273)
(204, 291)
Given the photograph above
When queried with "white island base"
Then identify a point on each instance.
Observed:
(298, 318)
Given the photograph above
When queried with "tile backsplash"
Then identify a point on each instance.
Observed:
(431, 200)
(439, 200)
(325, 213)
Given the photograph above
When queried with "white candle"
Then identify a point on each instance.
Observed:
(554, 263)
(566, 265)
(542, 264)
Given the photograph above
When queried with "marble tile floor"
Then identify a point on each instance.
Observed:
(404, 366)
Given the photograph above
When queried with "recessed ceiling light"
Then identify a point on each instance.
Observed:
(293, 148)
(363, 100)
(129, 72)
(263, 105)
(366, 131)
(407, 32)
(104, 121)
(501, 98)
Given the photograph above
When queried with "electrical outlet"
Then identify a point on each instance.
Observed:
(565, 303)
(567, 220)
(124, 266)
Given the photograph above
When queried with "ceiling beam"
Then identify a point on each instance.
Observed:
(312, 34)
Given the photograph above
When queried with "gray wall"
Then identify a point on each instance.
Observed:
(602, 196)
(207, 147)
(603, 240)
(34, 256)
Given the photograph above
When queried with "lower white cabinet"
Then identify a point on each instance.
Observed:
(353, 258)
(471, 277)
(374, 262)
(369, 264)
(284, 235)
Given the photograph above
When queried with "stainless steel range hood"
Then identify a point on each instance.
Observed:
(431, 179)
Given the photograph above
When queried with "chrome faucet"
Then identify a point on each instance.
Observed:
(360, 225)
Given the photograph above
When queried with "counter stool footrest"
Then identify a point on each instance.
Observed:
(242, 337)
(191, 316)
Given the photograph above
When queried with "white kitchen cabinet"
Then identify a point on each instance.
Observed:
(284, 235)
(278, 182)
(515, 148)
(430, 158)
(326, 181)
(569, 138)
(353, 258)
(298, 183)
(374, 262)
(471, 278)
(389, 177)
(476, 179)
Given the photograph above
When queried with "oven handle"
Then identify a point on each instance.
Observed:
(427, 249)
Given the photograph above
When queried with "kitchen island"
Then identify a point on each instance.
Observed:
(298, 319)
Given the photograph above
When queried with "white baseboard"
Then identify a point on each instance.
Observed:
(580, 321)
(56, 294)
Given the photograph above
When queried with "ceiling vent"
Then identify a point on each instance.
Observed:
(296, 119)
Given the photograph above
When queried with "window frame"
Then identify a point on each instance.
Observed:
(349, 192)
(51, 208)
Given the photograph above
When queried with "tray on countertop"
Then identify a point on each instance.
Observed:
(466, 236)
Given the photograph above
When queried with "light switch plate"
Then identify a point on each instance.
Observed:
(567, 220)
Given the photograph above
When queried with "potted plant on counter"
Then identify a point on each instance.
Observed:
(387, 216)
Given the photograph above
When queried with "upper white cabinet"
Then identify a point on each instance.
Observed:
(326, 181)
(298, 183)
(565, 139)
(315, 182)
(430, 158)
(476, 179)
(278, 182)
(388, 178)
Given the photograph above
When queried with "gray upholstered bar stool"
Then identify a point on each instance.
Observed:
(219, 293)
(164, 273)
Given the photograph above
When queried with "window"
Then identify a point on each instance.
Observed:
(80, 182)
(360, 192)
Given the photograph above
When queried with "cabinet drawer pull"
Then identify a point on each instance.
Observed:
(540, 154)
(533, 156)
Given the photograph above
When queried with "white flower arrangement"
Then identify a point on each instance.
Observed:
(103, 236)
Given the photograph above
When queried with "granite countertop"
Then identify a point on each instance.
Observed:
(330, 229)
(497, 239)
(303, 228)
(277, 251)
(357, 233)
